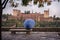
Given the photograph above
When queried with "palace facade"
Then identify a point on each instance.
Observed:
(17, 14)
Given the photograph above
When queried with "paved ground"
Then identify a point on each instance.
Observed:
(32, 36)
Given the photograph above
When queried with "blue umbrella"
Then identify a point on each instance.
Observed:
(29, 23)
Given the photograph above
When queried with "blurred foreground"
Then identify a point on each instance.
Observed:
(32, 36)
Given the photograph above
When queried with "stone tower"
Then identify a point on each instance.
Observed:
(16, 12)
(46, 13)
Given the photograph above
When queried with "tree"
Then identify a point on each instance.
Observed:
(27, 12)
(25, 2)
(13, 4)
(58, 0)
(41, 2)
(54, 17)
(4, 3)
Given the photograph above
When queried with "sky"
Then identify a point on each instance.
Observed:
(54, 8)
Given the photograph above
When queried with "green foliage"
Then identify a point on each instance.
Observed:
(9, 22)
(47, 24)
(49, 3)
(37, 24)
(5, 16)
(41, 5)
(35, 1)
(45, 0)
(14, 5)
(50, 24)
(20, 24)
(27, 12)
(43, 24)
(41, 2)
(25, 2)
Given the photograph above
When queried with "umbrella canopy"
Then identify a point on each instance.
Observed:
(29, 23)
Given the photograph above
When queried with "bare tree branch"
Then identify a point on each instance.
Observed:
(4, 3)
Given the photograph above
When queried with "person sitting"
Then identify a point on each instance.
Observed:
(29, 24)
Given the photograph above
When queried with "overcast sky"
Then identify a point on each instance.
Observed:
(54, 8)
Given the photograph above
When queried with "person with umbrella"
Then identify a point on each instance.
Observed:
(29, 24)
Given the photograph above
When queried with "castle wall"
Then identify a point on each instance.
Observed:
(35, 16)
(16, 12)
(46, 14)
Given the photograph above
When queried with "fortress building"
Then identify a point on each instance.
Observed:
(36, 16)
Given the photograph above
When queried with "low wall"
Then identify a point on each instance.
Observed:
(41, 29)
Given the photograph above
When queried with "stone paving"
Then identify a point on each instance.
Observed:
(32, 36)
